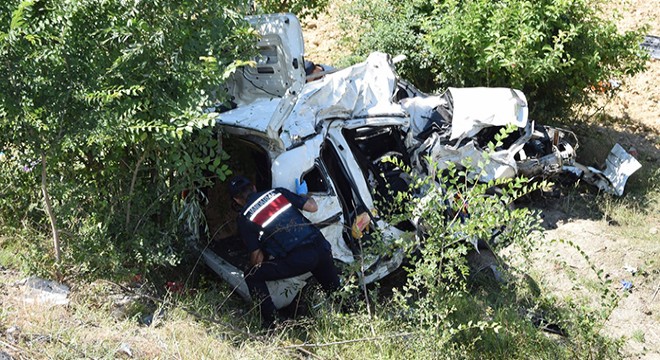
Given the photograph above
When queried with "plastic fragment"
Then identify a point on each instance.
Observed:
(630, 269)
(626, 285)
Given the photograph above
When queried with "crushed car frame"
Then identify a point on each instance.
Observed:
(333, 133)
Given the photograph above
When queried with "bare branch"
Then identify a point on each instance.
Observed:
(130, 191)
(49, 208)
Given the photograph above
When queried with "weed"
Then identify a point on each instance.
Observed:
(638, 335)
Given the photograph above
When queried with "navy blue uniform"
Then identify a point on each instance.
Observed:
(271, 221)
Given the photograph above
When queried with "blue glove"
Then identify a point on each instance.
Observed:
(301, 188)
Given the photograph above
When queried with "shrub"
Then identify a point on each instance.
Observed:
(302, 8)
(460, 297)
(103, 104)
(555, 51)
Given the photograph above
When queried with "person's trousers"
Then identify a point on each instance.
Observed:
(314, 258)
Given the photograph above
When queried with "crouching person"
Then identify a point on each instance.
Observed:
(281, 241)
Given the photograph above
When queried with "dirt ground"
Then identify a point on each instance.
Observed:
(632, 118)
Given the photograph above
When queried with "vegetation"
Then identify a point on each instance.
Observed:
(443, 307)
(302, 8)
(102, 124)
(101, 113)
(551, 50)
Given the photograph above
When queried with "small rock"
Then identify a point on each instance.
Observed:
(653, 230)
(630, 269)
(39, 290)
(13, 334)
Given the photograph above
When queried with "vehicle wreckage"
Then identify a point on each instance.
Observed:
(333, 133)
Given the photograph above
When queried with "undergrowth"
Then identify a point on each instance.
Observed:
(441, 305)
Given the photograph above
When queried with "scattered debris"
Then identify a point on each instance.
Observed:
(618, 168)
(154, 318)
(125, 349)
(626, 285)
(175, 287)
(630, 269)
(38, 338)
(652, 44)
(13, 334)
(656, 292)
(41, 291)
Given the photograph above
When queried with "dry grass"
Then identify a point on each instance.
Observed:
(85, 328)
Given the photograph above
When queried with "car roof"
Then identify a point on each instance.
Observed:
(362, 91)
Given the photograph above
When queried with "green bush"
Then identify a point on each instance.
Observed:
(103, 108)
(461, 298)
(554, 51)
(459, 216)
(302, 8)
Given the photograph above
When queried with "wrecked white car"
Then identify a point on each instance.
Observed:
(333, 133)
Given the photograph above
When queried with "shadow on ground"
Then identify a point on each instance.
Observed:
(573, 199)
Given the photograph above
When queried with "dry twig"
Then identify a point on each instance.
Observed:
(657, 288)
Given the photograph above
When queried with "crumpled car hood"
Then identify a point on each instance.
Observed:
(366, 90)
(360, 91)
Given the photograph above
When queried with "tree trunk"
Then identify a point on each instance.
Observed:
(49, 208)
(130, 191)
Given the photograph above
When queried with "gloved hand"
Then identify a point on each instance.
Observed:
(301, 188)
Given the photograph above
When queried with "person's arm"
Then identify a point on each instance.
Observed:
(251, 239)
(310, 205)
(302, 202)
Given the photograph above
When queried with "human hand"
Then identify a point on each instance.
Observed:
(301, 188)
(256, 257)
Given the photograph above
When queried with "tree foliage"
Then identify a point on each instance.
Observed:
(553, 50)
(302, 8)
(111, 94)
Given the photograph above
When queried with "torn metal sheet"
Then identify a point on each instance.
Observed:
(254, 116)
(360, 91)
(499, 166)
(279, 68)
(478, 108)
(652, 44)
(619, 166)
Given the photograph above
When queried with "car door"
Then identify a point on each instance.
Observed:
(303, 163)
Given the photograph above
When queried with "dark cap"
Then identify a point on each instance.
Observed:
(309, 67)
(237, 184)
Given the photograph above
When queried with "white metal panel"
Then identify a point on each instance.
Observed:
(478, 108)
